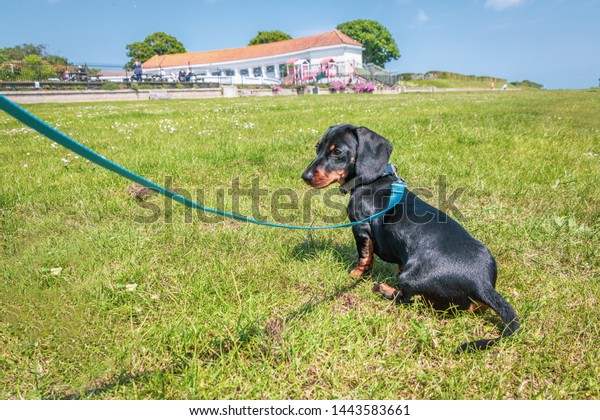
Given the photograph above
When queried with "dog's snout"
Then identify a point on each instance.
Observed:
(308, 176)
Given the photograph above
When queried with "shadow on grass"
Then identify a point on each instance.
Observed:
(346, 255)
(271, 331)
(382, 273)
(123, 378)
(311, 248)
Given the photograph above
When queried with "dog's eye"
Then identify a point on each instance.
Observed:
(336, 152)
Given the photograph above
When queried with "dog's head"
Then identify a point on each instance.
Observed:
(346, 151)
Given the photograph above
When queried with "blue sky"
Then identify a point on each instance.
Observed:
(552, 42)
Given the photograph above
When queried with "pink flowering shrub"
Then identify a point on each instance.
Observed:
(364, 87)
(337, 85)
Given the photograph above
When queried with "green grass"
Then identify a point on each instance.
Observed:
(454, 84)
(228, 310)
(463, 84)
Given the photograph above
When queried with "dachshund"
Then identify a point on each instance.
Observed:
(436, 257)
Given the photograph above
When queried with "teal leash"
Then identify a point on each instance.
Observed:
(53, 134)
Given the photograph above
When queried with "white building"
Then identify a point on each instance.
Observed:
(324, 58)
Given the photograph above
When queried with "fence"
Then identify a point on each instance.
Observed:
(23, 75)
(40, 74)
(29, 71)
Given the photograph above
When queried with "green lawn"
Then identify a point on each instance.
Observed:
(97, 301)
(454, 83)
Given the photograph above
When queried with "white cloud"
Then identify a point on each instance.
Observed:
(420, 19)
(502, 4)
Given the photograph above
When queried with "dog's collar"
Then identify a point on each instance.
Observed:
(390, 169)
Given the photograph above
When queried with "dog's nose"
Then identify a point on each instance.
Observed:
(307, 176)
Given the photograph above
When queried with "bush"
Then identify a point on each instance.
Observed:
(7, 72)
(337, 85)
(528, 84)
(364, 87)
(110, 86)
(35, 68)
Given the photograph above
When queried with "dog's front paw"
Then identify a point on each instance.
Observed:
(360, 271)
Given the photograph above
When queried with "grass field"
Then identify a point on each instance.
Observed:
(455, 83)
(106, 297)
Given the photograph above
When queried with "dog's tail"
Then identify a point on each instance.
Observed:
(508, 315)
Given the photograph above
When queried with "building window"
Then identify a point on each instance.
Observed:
(270, 71)
(244, 72)
(257, 71)
(283, 70)
(215, 73)
(229, 72)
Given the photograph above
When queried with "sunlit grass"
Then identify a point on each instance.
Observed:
(188, 308)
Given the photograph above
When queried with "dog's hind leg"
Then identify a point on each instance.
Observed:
(391, 293)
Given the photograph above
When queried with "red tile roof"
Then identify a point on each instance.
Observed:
(327, 39)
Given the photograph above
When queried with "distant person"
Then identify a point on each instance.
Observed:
(182, 75)
(492, 85)
(137, 69)
(81, 74)
(504, 86)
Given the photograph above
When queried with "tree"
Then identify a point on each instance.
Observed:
(35, 68)
(56, 60)
(19, 52)
(159, 43)
(379, 45)
(265, 37)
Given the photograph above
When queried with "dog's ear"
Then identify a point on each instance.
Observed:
(372, 154)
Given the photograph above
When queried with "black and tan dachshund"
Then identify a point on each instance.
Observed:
(437, 258)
